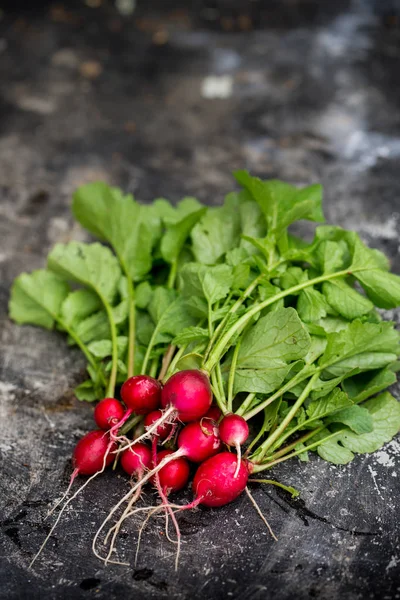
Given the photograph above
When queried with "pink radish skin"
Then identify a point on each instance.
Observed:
(164, 430)
(135, 461)
(213, 413)
(108, 412)
(141, 394)
(189, 392)
(174, 475)
(89, 453)
(198, 441)
(233, 430)
(215, 483)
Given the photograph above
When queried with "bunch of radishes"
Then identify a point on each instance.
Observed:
(179, 413)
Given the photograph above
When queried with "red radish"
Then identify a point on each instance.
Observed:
(186, 396)
(135, 461)
(214, 413)
(198, 441)
(108, 412)
(216, 483)
(164, 430)
(189, 392)
(175, 474)
(234, 431)
(141, 394)
(92, 452)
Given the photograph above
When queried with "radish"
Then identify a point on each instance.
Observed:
(186, 396)
(214, 413)
(135, 461)
(234, 431)
(175, 474)
(216, 482)
(92, 454)
(189, 392)
(163, 431)
(198, 441)
(141, 394)
(108, 412)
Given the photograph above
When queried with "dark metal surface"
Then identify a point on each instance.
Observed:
(304, 93)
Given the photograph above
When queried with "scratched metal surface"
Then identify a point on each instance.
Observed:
(168, 102)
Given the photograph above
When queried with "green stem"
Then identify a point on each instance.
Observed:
(91, 360)
(260, 433)
(220, 382)
(223, 343)
(262, 467)
(130, 424)
(210, 327)
(231, 311)
(154, 367)
(263, 449)
(114, 346)
(292, 431)
(172, 274)
(307, 371)
(132, 327)
(175, 361)
(245, 404)
(231, 379)
(290, 447)
(148, 350)
(215, 389)
(288, 488)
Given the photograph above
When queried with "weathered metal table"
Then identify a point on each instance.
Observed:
(167, 102)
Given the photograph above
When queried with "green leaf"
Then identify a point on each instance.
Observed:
(189, 361)
(346, 300)
(336, 400)
(119, 220)
(212, 283)
(357, 418)
(36, 298)
(79, 305)
(215, 234)
(267, 348)
(91, 265)
(86, 391)
(260, 381)
(366, 340)
(363, 386)
(331, 256)
(103, 348)
(283, 204)
(385, 413)
(95, 327)
(381, 287)
(311, 305)
(331, 451)
(143, 293)
(169, 312)
(191, 334)
(176, 235)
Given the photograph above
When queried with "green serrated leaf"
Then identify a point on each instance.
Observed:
(126, 225)
(189, 335)
(36, 298)
(91, 265)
